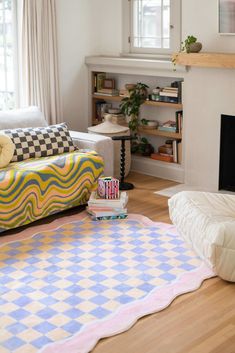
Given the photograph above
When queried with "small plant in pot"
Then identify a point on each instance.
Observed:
(191, 45)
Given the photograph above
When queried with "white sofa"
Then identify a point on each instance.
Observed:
(33, 117)
(207, 221)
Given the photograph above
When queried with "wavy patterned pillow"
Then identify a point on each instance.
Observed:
(40, 142)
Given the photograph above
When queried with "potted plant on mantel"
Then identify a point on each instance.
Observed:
(189, 45)
(130, 107)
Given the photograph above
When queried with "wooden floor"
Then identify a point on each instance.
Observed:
(199, 322)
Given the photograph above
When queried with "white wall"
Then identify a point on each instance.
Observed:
(74, 43)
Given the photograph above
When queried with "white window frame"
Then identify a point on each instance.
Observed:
(15, 56)
(175, 39)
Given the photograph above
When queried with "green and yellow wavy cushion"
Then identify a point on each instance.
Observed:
(36, 188)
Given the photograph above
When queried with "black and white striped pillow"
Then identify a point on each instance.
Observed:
(40, 142)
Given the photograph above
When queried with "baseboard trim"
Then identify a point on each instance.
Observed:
(164, 170)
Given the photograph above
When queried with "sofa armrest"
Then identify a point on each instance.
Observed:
(103, 145)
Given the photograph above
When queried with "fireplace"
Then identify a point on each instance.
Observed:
(227, 153)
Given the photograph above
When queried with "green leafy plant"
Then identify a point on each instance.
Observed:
(130, 106)
(185, 46)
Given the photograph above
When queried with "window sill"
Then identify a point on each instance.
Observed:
(146, 63)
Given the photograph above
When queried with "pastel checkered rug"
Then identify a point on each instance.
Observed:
(62, 290)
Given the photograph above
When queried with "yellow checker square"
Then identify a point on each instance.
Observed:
(86, 306)
(12, 296)
(110, 283)
(34, 307)
(9, 307)
(86, 254)
(30, 334)
(59, 307)
(59, 320)
(109, 272)
(57, 334)
(86, 294)
(136, 293)
(63, 284)
(86, 273)
(37, 294)
(17, 275)
(32, 321)
(86, 283)
(155, 272)
(112, 293)
(86, 318)
(158, 282)
(63, 273)
(7, 321)
(61, 294)
(27, 348)
(3, 350)
(111, 305)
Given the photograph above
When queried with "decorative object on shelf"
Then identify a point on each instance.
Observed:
(123, 185)
(148, 124)
(109, 83)
(145, 148)
(108, 128)
(130, 106)
(190, 45)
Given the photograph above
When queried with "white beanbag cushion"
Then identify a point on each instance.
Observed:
(7, 149)
(207, 221)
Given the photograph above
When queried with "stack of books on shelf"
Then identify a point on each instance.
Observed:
(101, 108)
(169, 95)
(107, 92)
(106, 209)
(169, 126)
(170, 152)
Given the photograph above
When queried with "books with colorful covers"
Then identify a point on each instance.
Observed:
(121, 202)
(100, 208)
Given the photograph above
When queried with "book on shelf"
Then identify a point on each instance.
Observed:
(99, 78)
(175, 151)
(101, 93)
(179, 121)
(169, 94)
(169, 126)
(165, 150)
(161, 157)
(179, 152)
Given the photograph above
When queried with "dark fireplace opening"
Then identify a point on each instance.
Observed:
(227, 153)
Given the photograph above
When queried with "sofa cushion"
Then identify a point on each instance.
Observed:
(21, 118)
(207, 221)
(7, 148)
(40, 141)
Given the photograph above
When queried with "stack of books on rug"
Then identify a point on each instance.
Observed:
(107, 202)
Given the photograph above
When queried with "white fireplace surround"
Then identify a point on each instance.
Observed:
(208, 93)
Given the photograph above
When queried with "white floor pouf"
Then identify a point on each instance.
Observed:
(207, 221)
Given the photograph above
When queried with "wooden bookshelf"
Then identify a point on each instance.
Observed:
(156, 132)
(151, 103)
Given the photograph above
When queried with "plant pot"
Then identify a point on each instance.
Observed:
(194, 47)
(146, 149)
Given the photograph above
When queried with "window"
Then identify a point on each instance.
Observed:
(153, 26)
(7, 54)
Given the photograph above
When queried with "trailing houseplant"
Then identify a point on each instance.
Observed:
(130, 106)
(189, 45)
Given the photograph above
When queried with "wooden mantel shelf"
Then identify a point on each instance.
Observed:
(211, 60)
